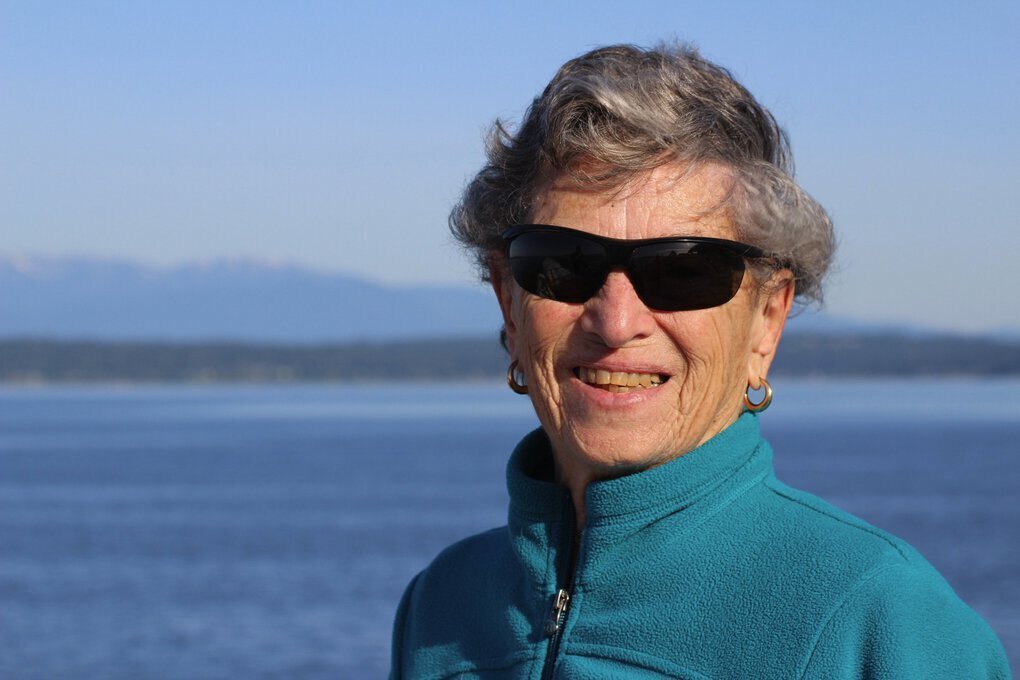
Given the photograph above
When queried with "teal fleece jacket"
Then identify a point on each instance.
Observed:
(705, 567)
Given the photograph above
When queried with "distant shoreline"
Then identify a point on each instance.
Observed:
(46, 361)
(10, 388)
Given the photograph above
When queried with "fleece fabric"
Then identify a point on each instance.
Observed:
(705, 567)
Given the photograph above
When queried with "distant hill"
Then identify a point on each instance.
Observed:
(256, 302)
(249, 301)
(88, 320)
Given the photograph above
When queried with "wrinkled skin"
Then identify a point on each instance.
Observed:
(710, 355)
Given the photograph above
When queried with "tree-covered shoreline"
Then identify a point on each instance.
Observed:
(38, 360)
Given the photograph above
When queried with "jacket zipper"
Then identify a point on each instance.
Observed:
(554, 630)
(558, 614)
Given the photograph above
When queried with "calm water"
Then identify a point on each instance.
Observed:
(267, 532)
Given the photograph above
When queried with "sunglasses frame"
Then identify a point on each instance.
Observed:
(620, 251)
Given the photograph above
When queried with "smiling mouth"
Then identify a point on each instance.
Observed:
(618, 381)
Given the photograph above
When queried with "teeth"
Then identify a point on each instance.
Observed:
(618, 381)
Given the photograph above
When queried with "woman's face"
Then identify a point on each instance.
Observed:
(703, 359)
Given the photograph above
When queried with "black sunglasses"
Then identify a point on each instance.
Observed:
(673, 274)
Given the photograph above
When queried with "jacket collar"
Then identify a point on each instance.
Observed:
(541, 517)
(689, 487)
(674, 485)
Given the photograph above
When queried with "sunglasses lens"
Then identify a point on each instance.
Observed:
(685, 276)
(558, 266)
(670, 276)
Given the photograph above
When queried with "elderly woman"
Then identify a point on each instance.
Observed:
(645, 241)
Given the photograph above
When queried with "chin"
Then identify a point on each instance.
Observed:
(615, 453)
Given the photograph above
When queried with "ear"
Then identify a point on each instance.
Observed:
(503, 285)
(770, 315)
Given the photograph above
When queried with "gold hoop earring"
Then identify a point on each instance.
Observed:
(765, 401)
(511, 379)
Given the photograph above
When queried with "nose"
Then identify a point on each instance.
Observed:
(616, 315)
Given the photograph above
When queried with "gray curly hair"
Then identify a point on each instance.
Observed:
(620, 111)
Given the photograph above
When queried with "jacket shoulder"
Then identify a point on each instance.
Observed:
(458, 564)
(457, 614)
(890, 614)
(904, 621)
(812, 524)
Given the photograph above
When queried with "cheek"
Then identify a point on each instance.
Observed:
(540, 326)
(542, 330)
(539, 323)
(714, 348)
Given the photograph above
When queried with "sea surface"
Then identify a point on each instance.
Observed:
(268, 531)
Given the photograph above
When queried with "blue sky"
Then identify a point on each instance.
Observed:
(330, 134)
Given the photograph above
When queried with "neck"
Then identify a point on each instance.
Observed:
(576, 481)
(577, 496)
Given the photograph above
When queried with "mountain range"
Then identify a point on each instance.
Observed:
(86, 320)
(252, 301)
(236, 300)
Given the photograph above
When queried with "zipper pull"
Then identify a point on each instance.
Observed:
(558, 614)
